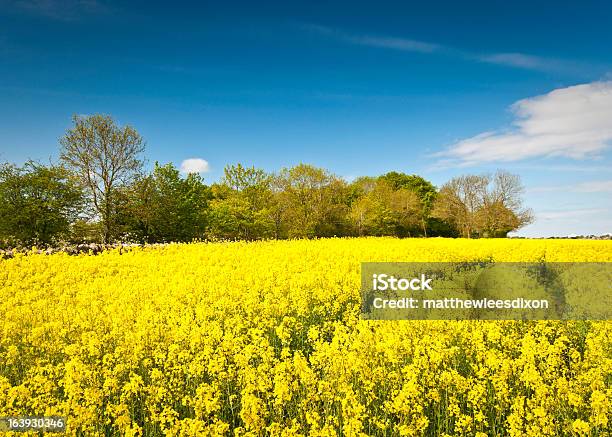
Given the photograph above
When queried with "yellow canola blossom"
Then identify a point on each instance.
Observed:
(265, 338)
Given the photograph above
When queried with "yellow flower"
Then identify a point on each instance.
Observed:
(580, 427)
(266, 338)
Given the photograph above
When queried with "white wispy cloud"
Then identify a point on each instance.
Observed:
(538, 63)
(573, 122)
(194, 165)
(387, 42)
(409, 45)
(570, 214)
(582, 187)
(582, 167)
(515, 60)
(594, 187)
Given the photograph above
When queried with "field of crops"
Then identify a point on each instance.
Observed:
(265, 338)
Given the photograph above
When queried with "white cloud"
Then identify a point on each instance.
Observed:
(537, 63)
(387, 42)
(594, 187)
(194, 165)
(582, 187)
(512, 59)
(563, 168)
(573, 122)
(409, 45)
(515, 60)
(570, 214)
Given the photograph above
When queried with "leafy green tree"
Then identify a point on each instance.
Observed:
(383, 209)
(232, 218)
(315, 202)
(279, 204)
(85, 231)
(243, 204)
(138, 209)
(164, 206)
(38, 203)
(425, 191)
(106, 158)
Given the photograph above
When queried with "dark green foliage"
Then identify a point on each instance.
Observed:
(243, 205)
(163, 206)
(121, 203)
(425, 191)
(37, 203)
(41, 204)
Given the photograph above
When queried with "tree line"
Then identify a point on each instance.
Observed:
(99, 192)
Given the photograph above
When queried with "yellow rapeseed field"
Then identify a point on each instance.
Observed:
(265, 338)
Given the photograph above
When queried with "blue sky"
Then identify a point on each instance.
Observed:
(361, 88)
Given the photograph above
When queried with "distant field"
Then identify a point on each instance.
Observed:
(265, 338)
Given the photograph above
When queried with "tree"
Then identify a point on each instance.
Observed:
(243, 204)
(163, 206)
(37, 203)
(503, 209)
(384, 210)
(138, 209)
(279, 205)
(459, 200)
(424, 190)
(315, 202)
(496, 220)
(481, 205)
(363, 204)
(106, 157)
